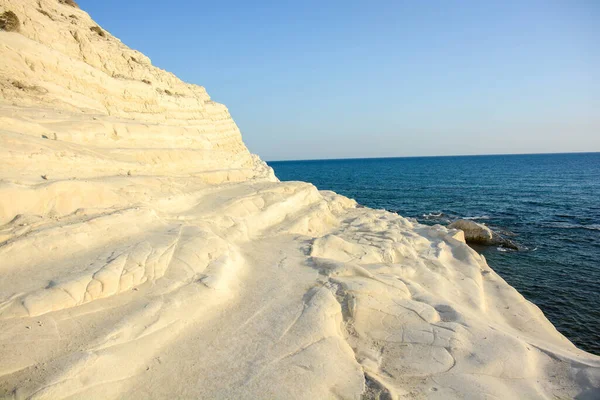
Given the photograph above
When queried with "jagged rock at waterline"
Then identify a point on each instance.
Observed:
(476, 233)
(145, 253)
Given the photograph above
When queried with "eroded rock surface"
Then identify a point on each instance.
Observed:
(476, 233)
(146, 254)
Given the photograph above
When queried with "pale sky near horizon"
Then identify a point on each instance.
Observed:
(342, 79)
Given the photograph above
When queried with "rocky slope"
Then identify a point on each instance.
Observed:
(145, 253)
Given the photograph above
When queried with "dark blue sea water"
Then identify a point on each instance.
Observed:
(549, 202)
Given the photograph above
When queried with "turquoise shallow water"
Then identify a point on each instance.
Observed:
(547, 203)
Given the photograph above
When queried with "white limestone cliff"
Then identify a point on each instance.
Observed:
(145, 253)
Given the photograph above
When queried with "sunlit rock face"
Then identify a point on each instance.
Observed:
(104, 109)
(145, 253)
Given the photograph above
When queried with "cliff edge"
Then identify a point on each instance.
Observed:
(145, 253)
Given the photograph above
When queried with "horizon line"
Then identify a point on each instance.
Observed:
(434, 156)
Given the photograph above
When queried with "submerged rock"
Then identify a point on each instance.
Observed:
(476, 233)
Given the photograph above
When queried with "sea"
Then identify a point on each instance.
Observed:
(548, 204)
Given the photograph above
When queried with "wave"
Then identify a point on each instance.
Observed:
(433, 215)
(504, 249)
(451, 216)
(440, 214)
(591, 227)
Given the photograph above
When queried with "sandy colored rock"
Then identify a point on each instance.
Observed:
(146, 254)
(475, 232)
(457, 234)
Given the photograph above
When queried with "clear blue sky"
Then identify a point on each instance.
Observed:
(335, 79)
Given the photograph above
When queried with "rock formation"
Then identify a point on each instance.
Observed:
(476, 233)
(146, 254)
